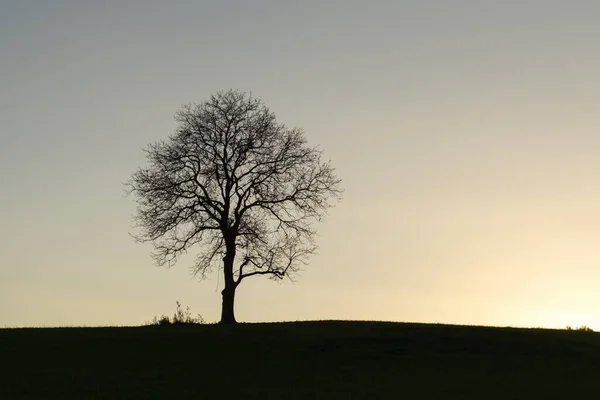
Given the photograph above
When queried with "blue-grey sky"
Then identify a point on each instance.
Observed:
(466, 134)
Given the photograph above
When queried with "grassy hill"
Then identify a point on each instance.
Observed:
(303, 360)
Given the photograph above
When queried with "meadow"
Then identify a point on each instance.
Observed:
(299, 360)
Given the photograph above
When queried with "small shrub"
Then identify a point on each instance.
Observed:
(185, 317)
(180, 317)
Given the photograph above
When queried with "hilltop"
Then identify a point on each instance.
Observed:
(298, 360)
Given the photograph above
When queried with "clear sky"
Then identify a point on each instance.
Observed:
(466, 134)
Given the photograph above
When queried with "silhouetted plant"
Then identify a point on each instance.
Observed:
(163, 320)
(180, 317)
(185, 317)
(582, 328)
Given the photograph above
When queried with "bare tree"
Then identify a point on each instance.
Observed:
(240, 185)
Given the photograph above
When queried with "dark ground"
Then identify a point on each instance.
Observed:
(304, 360)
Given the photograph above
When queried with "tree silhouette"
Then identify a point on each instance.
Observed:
(243, 187)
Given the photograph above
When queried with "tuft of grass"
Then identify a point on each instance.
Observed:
(180, 317)
(582, 328)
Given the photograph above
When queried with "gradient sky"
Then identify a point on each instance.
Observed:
(466, 134)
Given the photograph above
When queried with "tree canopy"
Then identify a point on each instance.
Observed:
(243, 187)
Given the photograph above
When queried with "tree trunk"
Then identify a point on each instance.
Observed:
(227, 310)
